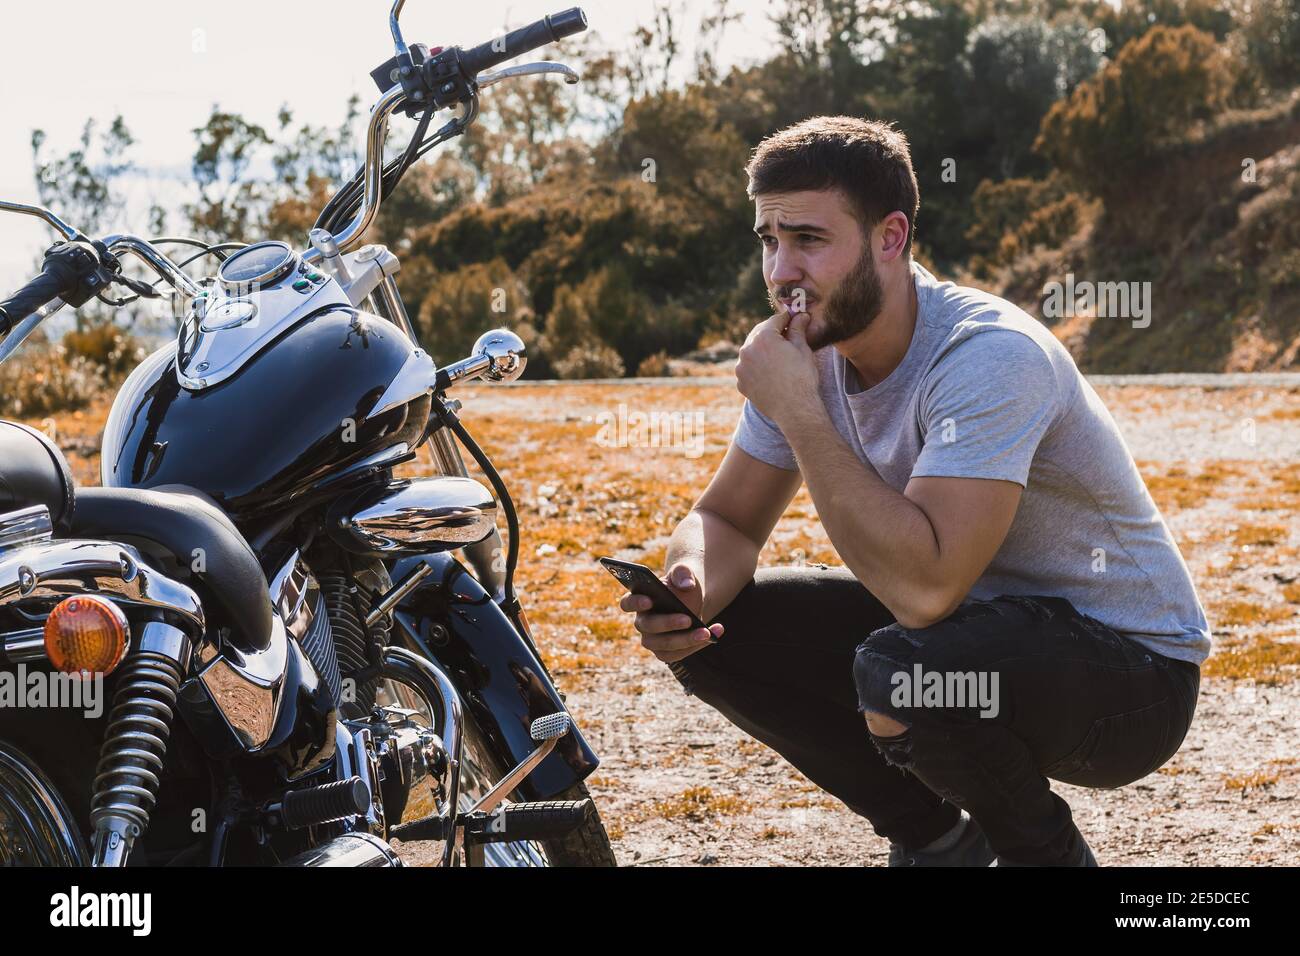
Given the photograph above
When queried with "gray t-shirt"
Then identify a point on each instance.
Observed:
(986, 391)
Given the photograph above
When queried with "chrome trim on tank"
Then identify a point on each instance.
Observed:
(414, 379)
(207, 355)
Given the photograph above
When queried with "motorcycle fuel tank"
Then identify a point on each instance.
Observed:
(294, 414)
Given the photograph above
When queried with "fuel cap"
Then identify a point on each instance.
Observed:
(228, 315)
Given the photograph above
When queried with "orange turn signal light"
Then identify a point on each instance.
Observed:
(86, 635)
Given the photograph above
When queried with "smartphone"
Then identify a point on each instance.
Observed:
(639, 579)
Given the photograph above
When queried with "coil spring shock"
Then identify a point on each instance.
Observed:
(126, 778)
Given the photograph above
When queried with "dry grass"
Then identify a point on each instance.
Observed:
(1174, 488)
(1252, 781)
(698, 804)
(1263, 660)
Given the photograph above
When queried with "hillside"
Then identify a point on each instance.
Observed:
(1214, 226)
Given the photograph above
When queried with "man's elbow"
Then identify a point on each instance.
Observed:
(926, 607)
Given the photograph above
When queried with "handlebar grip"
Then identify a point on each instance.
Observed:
(58, 279)
(517, 42)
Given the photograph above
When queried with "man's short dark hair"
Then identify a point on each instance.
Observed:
(867, 160)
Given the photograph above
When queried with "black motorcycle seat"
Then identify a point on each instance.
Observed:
(34, 472)
(192, 539)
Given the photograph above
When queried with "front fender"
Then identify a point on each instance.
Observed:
(450, 618)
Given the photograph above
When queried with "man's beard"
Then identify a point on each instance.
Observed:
(853, 305)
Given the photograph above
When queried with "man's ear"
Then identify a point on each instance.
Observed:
(894, 231)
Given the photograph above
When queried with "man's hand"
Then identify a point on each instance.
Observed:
(778, 373)
(668, 636)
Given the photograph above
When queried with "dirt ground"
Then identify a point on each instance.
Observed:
(679, 785)
(610, 468)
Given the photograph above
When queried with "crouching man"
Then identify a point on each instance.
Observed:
(1012, 606)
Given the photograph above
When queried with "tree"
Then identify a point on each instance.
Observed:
(1014, 69)
(83, 187)
(464, 303)
(229, 204)
(1158, 87)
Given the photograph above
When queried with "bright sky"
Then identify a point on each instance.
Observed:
(162, 65)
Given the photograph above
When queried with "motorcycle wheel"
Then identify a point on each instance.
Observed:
(589, 845)
(36, 827)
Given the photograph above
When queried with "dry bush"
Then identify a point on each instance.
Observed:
(42, 379)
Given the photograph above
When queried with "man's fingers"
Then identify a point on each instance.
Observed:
(676, 640)
(798, 327)
(635, 602)
(661, 623)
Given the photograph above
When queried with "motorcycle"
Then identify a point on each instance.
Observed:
(302, 669)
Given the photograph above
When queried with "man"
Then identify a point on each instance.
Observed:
(1012, 606)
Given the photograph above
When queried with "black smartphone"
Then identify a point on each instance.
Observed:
(639, 579)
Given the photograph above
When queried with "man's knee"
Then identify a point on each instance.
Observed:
(874, 668)
(924, 675)
(876, 664)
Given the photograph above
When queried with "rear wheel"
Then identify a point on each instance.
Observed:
(36, 827)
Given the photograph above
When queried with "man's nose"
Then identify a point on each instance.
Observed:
(785, 267)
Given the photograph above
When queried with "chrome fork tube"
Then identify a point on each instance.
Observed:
(394, 308)
(486, 557)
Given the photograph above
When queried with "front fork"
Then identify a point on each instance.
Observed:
(442, 452)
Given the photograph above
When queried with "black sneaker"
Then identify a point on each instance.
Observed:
(971, 849)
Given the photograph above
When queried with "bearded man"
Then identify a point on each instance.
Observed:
(1011, 608)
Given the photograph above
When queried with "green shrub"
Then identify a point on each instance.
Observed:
(463, 304)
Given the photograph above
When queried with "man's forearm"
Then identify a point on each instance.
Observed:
(885, 539)
(720, 556)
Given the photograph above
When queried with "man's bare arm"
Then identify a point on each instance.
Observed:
(720, 539)
(918, 552)
(718, 543)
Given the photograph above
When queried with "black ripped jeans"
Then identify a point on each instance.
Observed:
(1027, 688)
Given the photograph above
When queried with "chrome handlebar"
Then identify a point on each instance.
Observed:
(393, 14)
(148, 253)
(42, 213)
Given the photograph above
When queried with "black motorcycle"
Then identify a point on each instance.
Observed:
(301, 669)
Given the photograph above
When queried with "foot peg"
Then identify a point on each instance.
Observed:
(551, 817)
(528, 821)
(323, 804)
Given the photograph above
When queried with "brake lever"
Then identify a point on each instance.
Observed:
(526, 69)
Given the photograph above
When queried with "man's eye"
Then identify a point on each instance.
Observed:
(807, 238)
(767, 240)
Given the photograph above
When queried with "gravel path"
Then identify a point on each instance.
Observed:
(679, 785)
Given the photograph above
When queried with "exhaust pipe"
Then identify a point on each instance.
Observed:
(350, 850)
